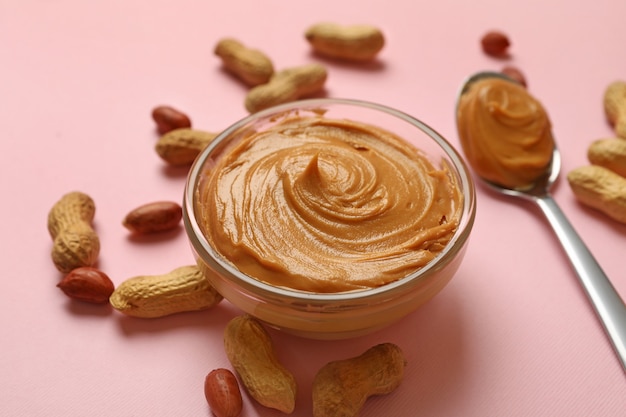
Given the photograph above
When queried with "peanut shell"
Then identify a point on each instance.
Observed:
(250, 351)
(180, 147)
(150, 296)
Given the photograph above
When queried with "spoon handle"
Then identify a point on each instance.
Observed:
(608, 305)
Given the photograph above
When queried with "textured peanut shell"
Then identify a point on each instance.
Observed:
(340, 388)
(76, 243)
(249, 349)
(250, 65)
(615, 106)
(609, 153)
(352, 43)
(181, 147)
(150, 296)
(601, 189)
(286, 86)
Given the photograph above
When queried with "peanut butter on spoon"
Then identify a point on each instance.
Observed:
(505, 132)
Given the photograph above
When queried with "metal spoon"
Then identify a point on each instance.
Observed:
(604, 298)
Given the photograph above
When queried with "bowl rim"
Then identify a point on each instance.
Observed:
(261, 289)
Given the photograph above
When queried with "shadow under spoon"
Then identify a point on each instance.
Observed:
(607, 303)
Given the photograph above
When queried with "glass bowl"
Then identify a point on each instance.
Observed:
(331, 315)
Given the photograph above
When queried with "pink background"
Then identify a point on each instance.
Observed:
(512, 335)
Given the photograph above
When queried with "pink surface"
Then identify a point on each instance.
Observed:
(512, 335)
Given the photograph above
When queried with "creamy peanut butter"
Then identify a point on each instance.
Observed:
(324, 205)
(505, 133)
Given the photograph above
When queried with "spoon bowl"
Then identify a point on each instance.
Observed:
(605, 300)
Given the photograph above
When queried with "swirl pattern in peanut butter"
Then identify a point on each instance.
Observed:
(324, 205)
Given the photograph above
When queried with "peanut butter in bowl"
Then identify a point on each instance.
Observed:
(327, 209)
(327, 205)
